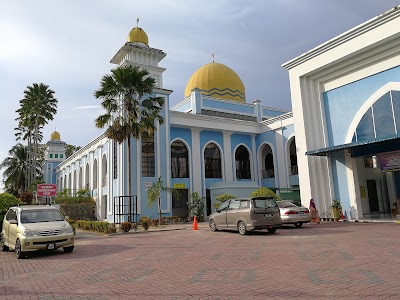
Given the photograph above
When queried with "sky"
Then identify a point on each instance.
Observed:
(68, 46)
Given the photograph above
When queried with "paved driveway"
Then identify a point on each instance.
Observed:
(326, 261)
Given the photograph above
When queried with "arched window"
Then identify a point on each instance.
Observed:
(179, 160)
(148, 157)
(267, 158)
(104, 171)
(293, 158)
(212, 161)
(87, 176)
(80, 184)
(95, 174)
(381, 119)
(242, 162)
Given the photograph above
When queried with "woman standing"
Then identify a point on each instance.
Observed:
(314, 212)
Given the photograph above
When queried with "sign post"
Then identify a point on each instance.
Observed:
(46, 190)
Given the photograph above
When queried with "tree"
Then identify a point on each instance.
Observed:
(154, 194)
(221, 199)
(6, 201)
(70, 150)
(128, 113)
(38, 107)
(264, 192)
(197, 205)
(15, 167)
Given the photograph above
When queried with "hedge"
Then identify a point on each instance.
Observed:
(98, 226)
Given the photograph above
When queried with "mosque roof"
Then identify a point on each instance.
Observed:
(217, 80)
(138, 35)
(55, 136)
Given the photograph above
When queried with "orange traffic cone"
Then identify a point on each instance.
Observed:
(195, 224)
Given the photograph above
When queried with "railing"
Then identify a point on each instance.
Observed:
(278, 118)
(268, 173)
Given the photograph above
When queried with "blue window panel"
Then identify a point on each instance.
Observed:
(365, 129)
(396, 108)
(383, 116)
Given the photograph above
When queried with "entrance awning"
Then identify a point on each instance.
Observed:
(363, 148)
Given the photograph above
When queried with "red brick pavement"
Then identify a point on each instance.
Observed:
(327, 261)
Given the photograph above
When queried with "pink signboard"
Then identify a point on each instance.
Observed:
(389, 161)
(46, 190)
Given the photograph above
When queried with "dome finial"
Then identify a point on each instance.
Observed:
(212, 55)
(137, 22)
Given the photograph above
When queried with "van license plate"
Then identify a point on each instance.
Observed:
(50, 247)
(301, 212)
(269, 215)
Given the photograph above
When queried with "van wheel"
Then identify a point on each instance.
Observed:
(271, 230)
(298, 225)
(242, 228)
(18, 251)
(213, 226)
(2, 245)
(68, 249)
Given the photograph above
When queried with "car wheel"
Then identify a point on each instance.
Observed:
(271, 230)
(68, 249)
(298, 224)
(242, 228)
(18, 251)
(213, 226)
(2, 245)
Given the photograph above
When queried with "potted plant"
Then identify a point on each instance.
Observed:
(336, 209)
(126, 226)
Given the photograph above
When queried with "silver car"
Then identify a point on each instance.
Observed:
(29, 228)
(247, 214)
(293, 214)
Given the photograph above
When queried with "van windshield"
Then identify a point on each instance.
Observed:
(43, 215)
(265, 203)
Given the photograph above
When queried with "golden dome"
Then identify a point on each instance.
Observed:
(217, 80)
(55, 136)
(137, 34)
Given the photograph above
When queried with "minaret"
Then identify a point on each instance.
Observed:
(136, 52)
(54, 154)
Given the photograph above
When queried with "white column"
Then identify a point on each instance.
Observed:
(282, 159)
(196, 161)
(228, 156)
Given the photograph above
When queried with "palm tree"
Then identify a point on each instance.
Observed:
(38, 107)
(15, 166)
(154, 194)
(128, 113)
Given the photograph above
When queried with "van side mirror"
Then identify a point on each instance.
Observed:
(14, 222)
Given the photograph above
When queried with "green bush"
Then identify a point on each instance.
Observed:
(221, 199)
(98, 226)
(145, 222)
(73, 200)
(7, 201)
(264, 192)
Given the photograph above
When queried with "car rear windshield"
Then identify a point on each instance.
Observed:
(43, 215)
(285, 204)
(264, 203)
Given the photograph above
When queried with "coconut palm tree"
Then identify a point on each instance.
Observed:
(38, 107)
(15, 166)
(24, 132)
(128, 113)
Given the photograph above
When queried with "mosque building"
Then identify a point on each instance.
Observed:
(212, 142)
(339, 142)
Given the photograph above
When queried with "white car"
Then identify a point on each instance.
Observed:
(29, 228)
(293, 214)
